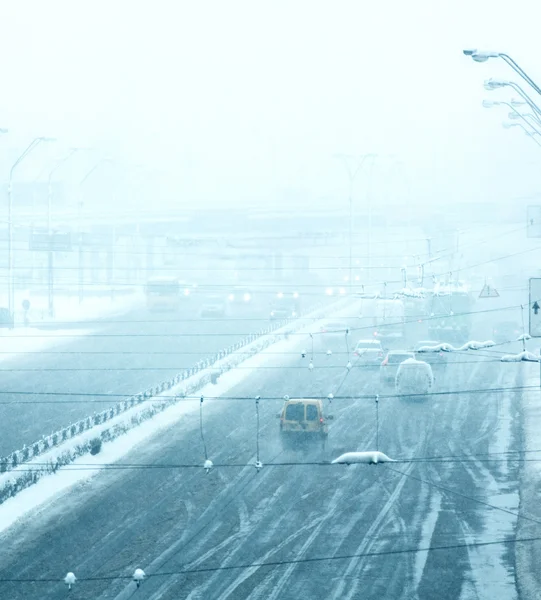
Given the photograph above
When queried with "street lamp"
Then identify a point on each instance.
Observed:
(527, 118)
(79, 223)
(483, 56)
(514, 114)
(531, 134)
(33, 144)
(493, 84)
(49, 230)
(352, 174)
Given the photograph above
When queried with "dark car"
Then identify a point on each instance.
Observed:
(506, 331)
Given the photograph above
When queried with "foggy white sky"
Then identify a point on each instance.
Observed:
(247, 101)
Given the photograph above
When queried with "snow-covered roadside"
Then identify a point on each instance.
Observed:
(17, 341)
(64, 477)
(70, 310)
(528, 554)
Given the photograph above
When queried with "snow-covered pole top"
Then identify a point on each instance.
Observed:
(524, 356)
(372, 458)
(444, 347)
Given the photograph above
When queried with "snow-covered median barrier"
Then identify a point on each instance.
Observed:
(26, 467)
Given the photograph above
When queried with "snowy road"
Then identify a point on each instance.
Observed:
(120, 356)
(372, 520)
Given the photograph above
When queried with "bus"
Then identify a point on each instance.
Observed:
(164, 293)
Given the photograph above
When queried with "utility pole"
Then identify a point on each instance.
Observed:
(352, 174)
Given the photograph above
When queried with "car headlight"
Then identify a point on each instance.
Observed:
(295, 294)
(280, 294)
(231, 297)
(329, 292)
(272, 314)
(247, 297)
(186, 292)
(342, 291)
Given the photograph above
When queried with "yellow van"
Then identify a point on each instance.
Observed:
(303, 420)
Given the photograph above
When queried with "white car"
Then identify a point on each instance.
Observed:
(414, 377)
(369, 351)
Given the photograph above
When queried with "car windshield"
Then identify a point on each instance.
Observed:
(295, 412)
(163, 289)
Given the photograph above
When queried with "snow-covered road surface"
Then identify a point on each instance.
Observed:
(168, 520)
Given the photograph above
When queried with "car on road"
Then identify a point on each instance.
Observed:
(303, 421)
(334, 333)
(506, 331)
(389, 367)
(240, 296)
(213, 307)
(414, 377)
(285, 306)
(436, 359)
(369, 352)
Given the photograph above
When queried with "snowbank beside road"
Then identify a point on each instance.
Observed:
(85, 466)
(528, 554)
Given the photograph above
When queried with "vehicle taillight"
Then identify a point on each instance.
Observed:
(380, 354)
(385, 363)
(375, 333)
(420, 321)
(355, 353)
(321, 420)
(441, 353)
(323, 330)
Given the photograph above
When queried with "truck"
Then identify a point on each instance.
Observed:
(450, 314)
(389, 321)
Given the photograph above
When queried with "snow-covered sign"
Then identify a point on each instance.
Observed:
(535, 307)
(489, 292)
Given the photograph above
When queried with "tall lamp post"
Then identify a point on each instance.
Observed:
(494, 84)
(35, 142)
(79, 223)
(514, 114)
(49, 229)
(531, 134)
(352, 174)
(483, 56)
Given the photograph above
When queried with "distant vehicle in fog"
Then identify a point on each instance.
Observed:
(213, 307)
(414, 377)
(334, 334)
(389, 320)
(389, 367)
(165, 293)
(506, 331)
(369, 352)
(240, 296)
(451, 308)
(285, 306)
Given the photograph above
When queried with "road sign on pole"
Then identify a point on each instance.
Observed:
(489, 292)
(534, 221)
(535, 307)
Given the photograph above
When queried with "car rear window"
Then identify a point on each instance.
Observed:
(311, 412)
(295, 412)
(370, 345)
(398, 358)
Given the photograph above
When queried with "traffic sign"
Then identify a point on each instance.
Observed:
(50, 241)
(489, 292)
(535, 307)
(534, 221)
